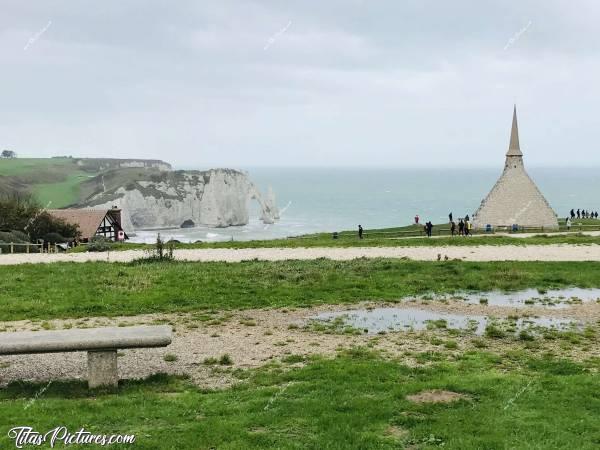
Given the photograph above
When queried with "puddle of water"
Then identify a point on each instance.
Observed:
(412, 319)
(557, 298)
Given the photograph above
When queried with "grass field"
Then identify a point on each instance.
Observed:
(408, 236)
(325, 240)
(26, 166)
(60, 195)
(54, 182)
(61, 182)
(356, 400)
(43, 291)
(513, 392)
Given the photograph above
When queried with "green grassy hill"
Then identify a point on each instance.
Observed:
(60, 182)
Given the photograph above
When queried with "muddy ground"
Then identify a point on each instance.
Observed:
(253, 338)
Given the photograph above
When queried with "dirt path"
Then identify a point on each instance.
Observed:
(558, 252)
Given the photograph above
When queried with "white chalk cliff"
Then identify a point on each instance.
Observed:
(216, 198)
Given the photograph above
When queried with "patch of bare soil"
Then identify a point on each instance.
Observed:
(436, 396)
(254, 338)
(396, 432)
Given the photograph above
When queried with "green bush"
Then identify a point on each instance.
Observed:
(493, 331)
(99, 244)
(19, 211)
(225, 360)
(525, 335)
(15, 237)
(12, 236)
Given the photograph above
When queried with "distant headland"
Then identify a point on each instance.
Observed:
(149, 192)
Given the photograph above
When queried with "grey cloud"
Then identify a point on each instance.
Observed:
(349, 82)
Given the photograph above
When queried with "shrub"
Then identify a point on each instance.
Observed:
(19, 211)
(525, 335)
(225, 360)
(15, 237)
(99, 244)
(479, 343)
(160, 253)
(493, 331)
(451, 345)
(12, 236)
(293, 359)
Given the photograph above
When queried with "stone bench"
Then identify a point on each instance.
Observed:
(100, 343)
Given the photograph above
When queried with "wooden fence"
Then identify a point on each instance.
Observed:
(13, 247)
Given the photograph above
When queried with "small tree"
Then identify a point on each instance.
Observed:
(8, 154)
(161, 252)
(19, 211)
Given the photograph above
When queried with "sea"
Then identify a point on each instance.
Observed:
(335, 199)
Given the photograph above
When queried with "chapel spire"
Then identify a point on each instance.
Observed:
(514, 148)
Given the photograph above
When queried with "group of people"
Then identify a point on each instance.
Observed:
(584, 214)
(464, 226)
(428, 227)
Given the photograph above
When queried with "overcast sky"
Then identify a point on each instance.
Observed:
(234, 83)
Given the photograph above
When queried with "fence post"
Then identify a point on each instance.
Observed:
(28, 247)
(12, 248)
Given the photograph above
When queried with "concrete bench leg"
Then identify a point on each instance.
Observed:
(102, 369)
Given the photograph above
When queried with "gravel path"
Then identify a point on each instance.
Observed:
(558, 252)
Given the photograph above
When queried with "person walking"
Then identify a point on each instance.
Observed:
(360, 232)
(467, 227)
(578, 214)
(452, 227)
(461, 227)
(568, 223)
(572, 214)
(429, 226)
(417, 219)
(450, 217)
